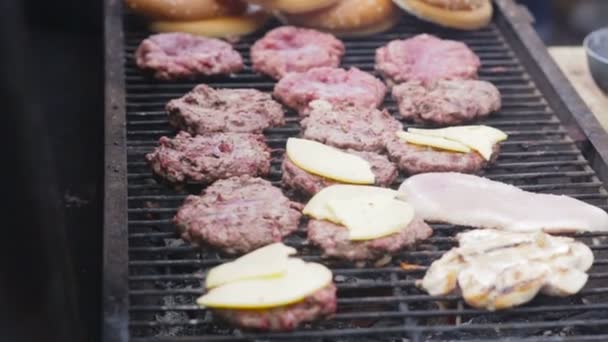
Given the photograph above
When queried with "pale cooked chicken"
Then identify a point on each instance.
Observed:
(478, 202)
(497, 270)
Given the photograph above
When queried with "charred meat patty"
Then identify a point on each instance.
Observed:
(446, 102)
(205, 158)
(238, 215)
(348, 127)
(333, 240)
(413, 159)
(309, 184)
(334, 85)
(172, 56)
(284, 318)
(205, 109)
(426, 58)
(292, 49)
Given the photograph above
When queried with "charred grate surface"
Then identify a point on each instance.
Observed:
(375, 304)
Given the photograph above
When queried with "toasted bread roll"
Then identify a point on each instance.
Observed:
(219, 27)
(350, 17)
(460, 14)
(186, 10)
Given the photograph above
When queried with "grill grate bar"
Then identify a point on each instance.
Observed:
(410, 313)
(533, 187)
(186, 249)
(379, 331)
(213, 262)
(200, 277)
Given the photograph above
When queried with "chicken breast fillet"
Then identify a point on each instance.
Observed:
(478, 202)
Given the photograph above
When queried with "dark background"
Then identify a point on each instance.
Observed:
(51, 86)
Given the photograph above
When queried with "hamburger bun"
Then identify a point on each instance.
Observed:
(459, 14)
(186, 10)
(294, 6)
(218, 27)
(349, 17)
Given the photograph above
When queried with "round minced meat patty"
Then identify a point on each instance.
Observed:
(309, 184)
(333, 240)
(426, 58)
(205, 158)
(348, 127)
(292, 49)
(318, 305)
(238, 215)
(205, 109)
(413, 159)
(172, 56)
(334, 85)
(446, 102)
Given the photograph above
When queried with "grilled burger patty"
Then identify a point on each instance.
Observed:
(349, 127)
(446, 102)
(205, 158)
(318, 305)
(238, 215)
(172, 56)
(334, 85)
(426, 58)
(413, 159)
(292, 49)
(333, 240)
(205, 109)
(309, 184)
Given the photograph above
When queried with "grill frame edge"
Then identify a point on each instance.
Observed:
(115, 298)
(575, 115)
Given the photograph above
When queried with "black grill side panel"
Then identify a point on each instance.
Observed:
(375, 304)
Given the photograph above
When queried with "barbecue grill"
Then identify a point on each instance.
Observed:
(152, 278)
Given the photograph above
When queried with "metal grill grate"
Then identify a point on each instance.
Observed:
(375, 304)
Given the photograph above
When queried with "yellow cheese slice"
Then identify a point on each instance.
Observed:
(372, 217)
(478, 137)
(329, 162)
(318, 207)
(268, 261)
(433, 141)
(300, 280)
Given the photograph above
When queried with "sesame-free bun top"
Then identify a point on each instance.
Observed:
(350, 17)
(229, 26)
(459, 14)
(182, 10)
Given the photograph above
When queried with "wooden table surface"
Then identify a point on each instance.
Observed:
(573, 62)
